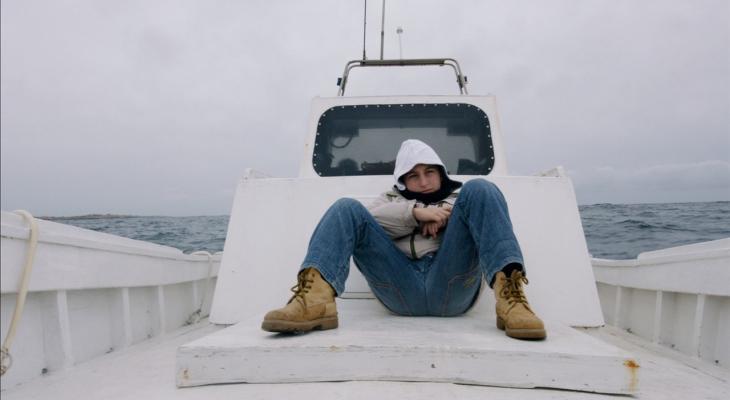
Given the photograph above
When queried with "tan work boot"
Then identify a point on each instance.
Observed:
(311, 307)
(514, 315)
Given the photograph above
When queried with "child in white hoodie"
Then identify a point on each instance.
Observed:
(423, 247)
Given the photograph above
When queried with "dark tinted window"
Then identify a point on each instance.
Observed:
(364, 140)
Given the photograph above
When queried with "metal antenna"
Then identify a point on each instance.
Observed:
(364, 29)
(382, 31)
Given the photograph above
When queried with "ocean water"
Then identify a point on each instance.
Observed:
(617, 231)
(622, 231)
(188, 234)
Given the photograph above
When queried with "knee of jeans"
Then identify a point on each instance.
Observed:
(347, 203)
(480, 187)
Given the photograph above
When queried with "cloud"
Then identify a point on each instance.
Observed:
(129, 108)
(699, 181)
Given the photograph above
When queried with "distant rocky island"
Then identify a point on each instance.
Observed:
(87, 216)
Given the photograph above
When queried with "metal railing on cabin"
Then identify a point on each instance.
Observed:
(461, 79)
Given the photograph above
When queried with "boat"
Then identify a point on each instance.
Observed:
(108, 317)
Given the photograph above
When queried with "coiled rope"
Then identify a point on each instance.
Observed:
(6, 360)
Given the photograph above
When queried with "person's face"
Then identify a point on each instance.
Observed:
(423, 179)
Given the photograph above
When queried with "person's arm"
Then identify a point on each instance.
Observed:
(394, 214)
(432, 219)
(433, 223)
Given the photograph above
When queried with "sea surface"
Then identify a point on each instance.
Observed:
(616, 231)
(622, 231)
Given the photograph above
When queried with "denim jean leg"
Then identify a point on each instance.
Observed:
(394, 279)
(348, 229)
(483, 209)
(478, 241)
(454, 279)
(333, 242)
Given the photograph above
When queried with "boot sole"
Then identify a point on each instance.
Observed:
(283, 326)
(526, 334)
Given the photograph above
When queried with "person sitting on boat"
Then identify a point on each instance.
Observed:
(423, 248)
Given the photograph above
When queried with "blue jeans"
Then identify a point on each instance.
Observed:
(478, 242)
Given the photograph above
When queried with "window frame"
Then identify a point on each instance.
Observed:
(484, 152)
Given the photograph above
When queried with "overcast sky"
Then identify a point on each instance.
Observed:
(157, 107)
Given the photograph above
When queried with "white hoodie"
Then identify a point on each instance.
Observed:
(394, 212)
(413, 152)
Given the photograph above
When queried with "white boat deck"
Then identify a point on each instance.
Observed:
(147, 371)
(372, 344)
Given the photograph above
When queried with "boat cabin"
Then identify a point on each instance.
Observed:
(356, 136)
(350, 151)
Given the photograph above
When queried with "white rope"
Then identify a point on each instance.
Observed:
(6, 360)
(198, 314)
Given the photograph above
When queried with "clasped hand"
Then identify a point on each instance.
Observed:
(432, 219)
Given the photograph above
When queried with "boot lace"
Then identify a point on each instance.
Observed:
(512, 290)
(304, 284)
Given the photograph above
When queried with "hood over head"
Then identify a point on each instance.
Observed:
(413, 152)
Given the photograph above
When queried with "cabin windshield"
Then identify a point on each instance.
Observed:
(364, 139)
